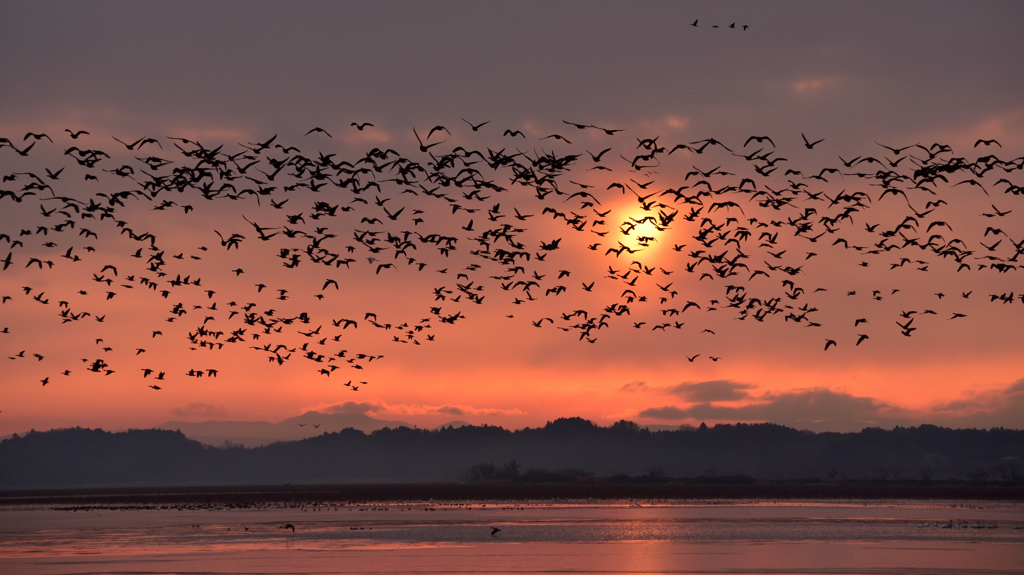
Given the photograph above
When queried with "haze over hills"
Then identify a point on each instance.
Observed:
(258, 433)
(309, 424)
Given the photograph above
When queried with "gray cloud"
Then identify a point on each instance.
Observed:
(801, 408)
(959, 405)
(821, 409)
(668, 412)
(999, 408)
(709, 391)
(635, 386)
(353, 407)
(451, 410)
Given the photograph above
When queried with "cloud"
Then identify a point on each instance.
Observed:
(447, 409)
(677, 123)
(381, 409)
(817, 408)
(989, 408)
(1006, 127)
(822, 404)
(208, 134)
(709, 391)
(470, 410)
(958, 405)
(353, 407)
(821, 409)
(697, 392)
(197, 409)
(668, 412)
(635, 386)
(369, 135)
(671, 121)
(809, 86)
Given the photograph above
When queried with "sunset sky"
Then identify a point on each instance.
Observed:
(856, 76)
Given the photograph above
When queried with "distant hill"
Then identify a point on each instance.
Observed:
(564, 448)
(258, 433)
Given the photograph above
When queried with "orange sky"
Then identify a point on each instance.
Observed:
(487, 367)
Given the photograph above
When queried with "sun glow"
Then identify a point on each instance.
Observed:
(645, 231)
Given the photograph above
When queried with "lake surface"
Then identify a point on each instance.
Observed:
(538, 537)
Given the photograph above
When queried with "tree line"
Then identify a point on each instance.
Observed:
(564, 450)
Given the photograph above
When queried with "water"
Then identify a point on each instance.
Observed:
(710, 537)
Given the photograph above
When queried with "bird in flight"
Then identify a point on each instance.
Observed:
(476, 127)
(319, 129)
(810, 145)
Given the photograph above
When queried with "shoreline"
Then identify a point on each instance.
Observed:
(248, 495)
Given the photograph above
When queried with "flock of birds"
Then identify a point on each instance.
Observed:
(512, 222)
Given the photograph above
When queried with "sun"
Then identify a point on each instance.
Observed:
(645, 231)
